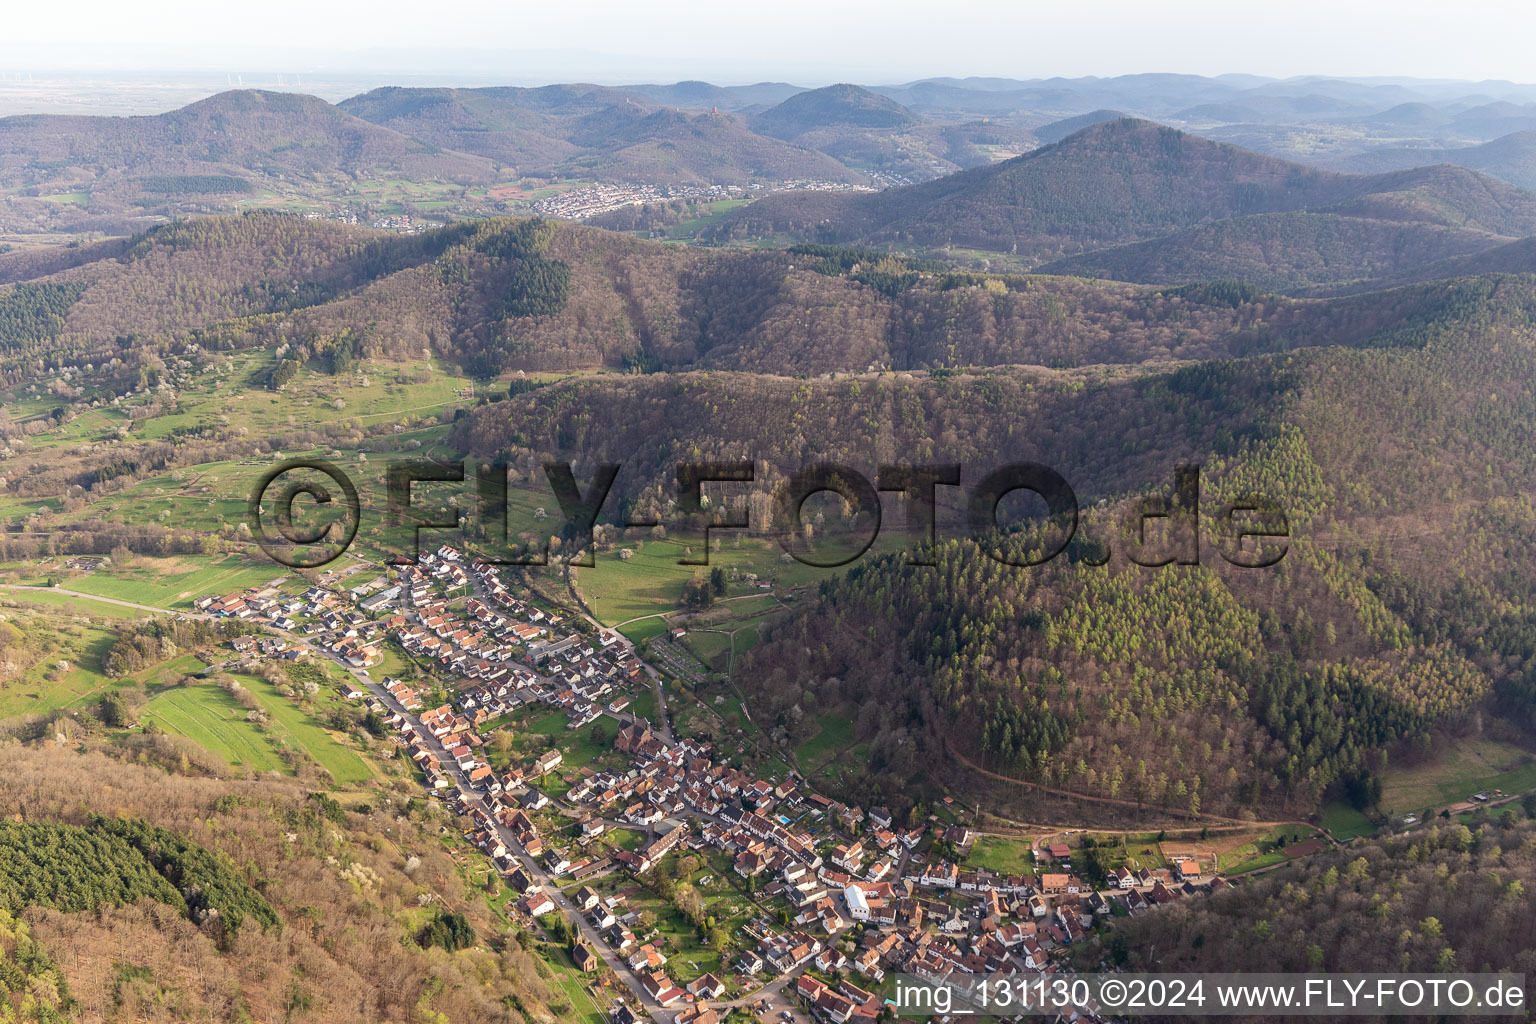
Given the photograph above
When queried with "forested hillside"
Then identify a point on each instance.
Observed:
(1126, 180)
(507, 295)
(1392, 615)
(833, 106)
(591, 131)
(137, 916)
(1511, 157)
(198, 159)
(1449, 898)
(1391, 426)
(1285, 252)
(1236, 691)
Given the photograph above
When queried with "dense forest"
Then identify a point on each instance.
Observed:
(114, 862)
(1446, 898)
(1286, 252)
(1393, 615)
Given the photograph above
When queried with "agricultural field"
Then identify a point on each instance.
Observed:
(375, 390)
(651, 581)
(213, 719)
(208, 715)
(293, 727)
(67, 652)
(1469, 766)
(641, 630)
(168, 673)
(407, 396)
(174, 583)
(65, 603)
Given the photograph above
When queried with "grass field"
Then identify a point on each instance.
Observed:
(69, 654)
(617, 590)
(209, 716)
(211, 496)
(1262, 851)
(709, 213)
(63, 602)
(1346, 823)
(46, 686)
(579, 1005)
(1468, 767)
(1002, 853)
(644, 703)
(216, 721)
(169, 672)
(642, 630)
(652, 581)
(291, 725)
(174, 583)
(835, 731)
(711, 648)
(1254, 862)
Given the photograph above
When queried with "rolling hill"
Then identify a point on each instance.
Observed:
(1285, 252)
(1358, 348)
(1392, 425)
(675, 147)
(597, 132)
(1511, 158)
(1126, 181)
(517, 127)
(703, 95)
(114, 172)
(506, 295)
(337, 945)
(877, 135)
(1047, 134)
(836, 106)
(249, 131)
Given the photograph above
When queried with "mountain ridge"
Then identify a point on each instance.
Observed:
(1124, 181)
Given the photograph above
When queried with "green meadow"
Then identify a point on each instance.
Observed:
(214, 720)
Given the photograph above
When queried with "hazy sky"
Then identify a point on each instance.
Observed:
(807, 41)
